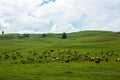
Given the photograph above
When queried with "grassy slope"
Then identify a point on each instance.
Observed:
(85, 41)
(80, 40)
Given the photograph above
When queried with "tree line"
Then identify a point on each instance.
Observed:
(63, 35)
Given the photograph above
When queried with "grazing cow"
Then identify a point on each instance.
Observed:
(0, 57)
(57, 58)
(18, 53)
(54, 58)
(30, 59)
(44, 52)
(110, 54)
(21, 56)
(92, 59)
(88, 53)
(116, 55)
(35, 53)
(49, 54)
(118, 59)
(107, 53)
(13, 57)
(106, 58)
(40, 57)
(45, 57)
(97, 60)
(6, 56)
(75, 58)
(67, 60)
(51, 50)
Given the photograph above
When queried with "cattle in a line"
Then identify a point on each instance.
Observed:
(64, 55)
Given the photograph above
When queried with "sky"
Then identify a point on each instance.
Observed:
(57, 16)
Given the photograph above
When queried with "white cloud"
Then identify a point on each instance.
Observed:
(63, 28)
(3, 24)
(59, 16)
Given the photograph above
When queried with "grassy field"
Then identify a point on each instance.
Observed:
(35, 58)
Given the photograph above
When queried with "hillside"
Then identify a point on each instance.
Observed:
(80, 34)
(33, 57)
(76, 40)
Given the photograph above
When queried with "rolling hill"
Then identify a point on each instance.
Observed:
(77, 40)
(23, 56)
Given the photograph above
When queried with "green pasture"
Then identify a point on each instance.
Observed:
(92, 42)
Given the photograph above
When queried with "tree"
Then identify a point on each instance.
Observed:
(25, 35)
(64, 36)
(2, 32)
(43, 35)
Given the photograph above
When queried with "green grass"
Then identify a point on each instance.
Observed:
(60, 71)
(93, 42)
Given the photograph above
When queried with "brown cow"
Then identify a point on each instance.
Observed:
(97, 60)
(118, 59)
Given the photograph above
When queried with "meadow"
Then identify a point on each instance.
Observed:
(34, 57)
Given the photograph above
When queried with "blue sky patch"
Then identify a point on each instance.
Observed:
(44, 2)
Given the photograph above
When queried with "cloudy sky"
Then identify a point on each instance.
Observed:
(55, 16)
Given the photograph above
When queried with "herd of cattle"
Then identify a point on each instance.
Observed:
(63, 55)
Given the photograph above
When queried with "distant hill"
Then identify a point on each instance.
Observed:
(95, 36)
(83, 36)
